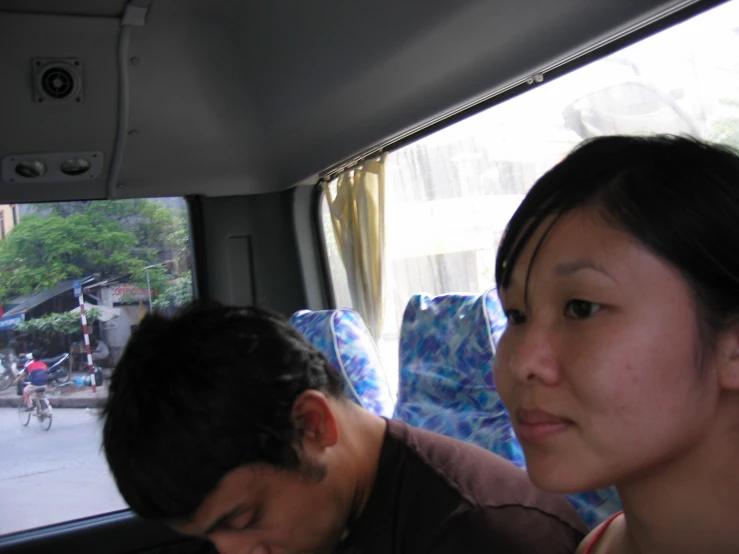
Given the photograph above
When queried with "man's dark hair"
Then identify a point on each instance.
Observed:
(677, 196)
(37, 354)
(202, 393)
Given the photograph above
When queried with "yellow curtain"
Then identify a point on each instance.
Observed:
(358, 219)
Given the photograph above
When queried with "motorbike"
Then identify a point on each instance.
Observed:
(8, 371)
(58, 367)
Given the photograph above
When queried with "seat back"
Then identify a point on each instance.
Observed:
(342, 336)
(446, 372)
(447, 354)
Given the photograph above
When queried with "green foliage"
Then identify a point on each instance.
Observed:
(156, 227)
(175, 294)
(67, 240)
(66, 323)
(726, 130)
(39, 252)
(158, 277)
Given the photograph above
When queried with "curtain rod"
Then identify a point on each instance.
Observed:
(348, 165)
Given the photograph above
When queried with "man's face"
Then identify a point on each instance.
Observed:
(257, 509)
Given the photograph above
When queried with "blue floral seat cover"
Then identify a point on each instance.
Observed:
(447, 350)
(342, 336)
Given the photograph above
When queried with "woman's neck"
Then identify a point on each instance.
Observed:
(686, 505)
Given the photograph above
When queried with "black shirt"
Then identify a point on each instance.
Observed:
(437, 495)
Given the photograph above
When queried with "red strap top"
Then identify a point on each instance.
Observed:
(600, 532)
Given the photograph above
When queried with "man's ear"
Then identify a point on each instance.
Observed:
(315, 416)
(729, 360)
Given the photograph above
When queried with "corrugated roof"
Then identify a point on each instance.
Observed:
(41, 297)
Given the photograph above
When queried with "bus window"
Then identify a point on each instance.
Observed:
(116, 260)
(450, 195)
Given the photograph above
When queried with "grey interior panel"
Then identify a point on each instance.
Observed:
(90, 8)
(29, 126)
(310, 244)
(275, 269)
(249, 97)
(239, 255)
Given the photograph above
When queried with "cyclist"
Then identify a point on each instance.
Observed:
(38, 373)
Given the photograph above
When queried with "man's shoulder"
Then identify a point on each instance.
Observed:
(483, 480)
(466, 466)
(505, 529)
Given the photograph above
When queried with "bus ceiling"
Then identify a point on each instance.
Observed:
(106, 99)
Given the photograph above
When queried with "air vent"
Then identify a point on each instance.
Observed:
(58, 83)
(30, 169)
(57, 80)
(51, 167)
(74, 167)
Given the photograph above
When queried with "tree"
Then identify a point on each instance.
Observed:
(726, 130)
(160, 231)
(39, 252)
(175, 294)
(68, 240)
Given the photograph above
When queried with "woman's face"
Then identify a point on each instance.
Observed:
(601, 368)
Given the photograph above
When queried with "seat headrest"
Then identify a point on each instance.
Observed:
(342, 336)
(452, 337)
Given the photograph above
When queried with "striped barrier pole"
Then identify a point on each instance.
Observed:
(83, 317)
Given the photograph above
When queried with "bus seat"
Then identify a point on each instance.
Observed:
(342, 336)
(446, 372)
(447, 351)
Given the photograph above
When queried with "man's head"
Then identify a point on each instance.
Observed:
(36, 355)
(217, 414)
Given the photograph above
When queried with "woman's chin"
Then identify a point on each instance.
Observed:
(568, 480)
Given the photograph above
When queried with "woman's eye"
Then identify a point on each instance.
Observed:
(581, 309)
(515, 317)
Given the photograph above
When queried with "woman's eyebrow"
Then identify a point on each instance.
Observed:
(562, 269)
(565, 269)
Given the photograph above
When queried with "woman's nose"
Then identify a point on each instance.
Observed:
(530, 355)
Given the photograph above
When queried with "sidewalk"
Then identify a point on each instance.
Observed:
(66, 396)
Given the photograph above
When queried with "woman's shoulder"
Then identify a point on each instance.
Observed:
(597, 541)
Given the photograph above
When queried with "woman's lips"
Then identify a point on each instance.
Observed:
(537, 425)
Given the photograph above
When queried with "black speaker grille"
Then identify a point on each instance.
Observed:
(57, 83)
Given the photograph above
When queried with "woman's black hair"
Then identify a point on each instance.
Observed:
(677, 196)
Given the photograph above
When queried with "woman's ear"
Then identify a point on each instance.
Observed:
(316, 418)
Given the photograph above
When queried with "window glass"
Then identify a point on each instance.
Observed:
(450, 195)
(117, 260)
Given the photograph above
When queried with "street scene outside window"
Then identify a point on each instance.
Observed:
(75, 280)
(450, 195)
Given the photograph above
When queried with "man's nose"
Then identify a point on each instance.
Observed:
(228, 542)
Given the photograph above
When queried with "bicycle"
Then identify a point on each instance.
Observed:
(42, 410)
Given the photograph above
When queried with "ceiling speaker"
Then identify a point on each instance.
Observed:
(57, 80)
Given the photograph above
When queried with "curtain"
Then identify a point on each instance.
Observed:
(358, 219)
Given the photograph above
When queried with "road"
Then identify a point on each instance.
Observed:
(52, 476)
